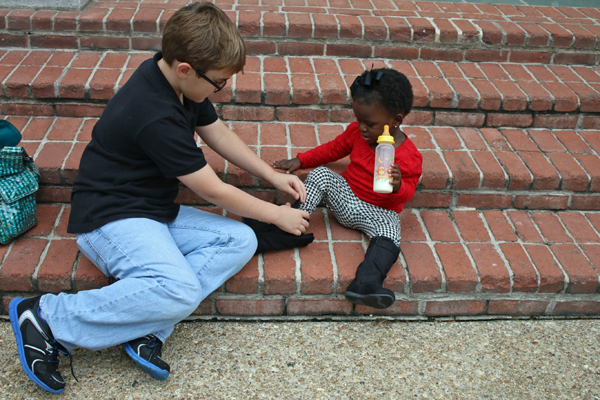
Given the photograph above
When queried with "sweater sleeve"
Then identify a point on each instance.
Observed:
(328, 152)
(411, 169)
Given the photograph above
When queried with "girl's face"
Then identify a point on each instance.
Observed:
(372, 117)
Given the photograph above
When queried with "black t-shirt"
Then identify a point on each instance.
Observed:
(142, 142)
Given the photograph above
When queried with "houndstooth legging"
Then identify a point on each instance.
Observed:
(322, 184)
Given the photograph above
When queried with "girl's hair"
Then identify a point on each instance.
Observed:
(384, 85)
(202, 35)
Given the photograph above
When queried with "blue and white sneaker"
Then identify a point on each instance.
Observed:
(146, 352)
(38, 350)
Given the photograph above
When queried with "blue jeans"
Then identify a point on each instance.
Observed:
(164, 271)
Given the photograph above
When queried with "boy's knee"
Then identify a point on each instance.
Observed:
(246, 239)
(181, 297)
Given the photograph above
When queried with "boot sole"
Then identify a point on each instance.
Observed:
(379, 301)
(14, 319)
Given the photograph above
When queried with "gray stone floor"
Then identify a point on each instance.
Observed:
(527, 359)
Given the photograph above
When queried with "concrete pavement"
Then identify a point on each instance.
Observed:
(378, 359)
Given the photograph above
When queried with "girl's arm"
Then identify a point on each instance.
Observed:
(227, 144)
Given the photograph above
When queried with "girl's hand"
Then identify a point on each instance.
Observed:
(289, 165)
(395, 177)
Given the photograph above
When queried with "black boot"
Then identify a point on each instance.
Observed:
(270, 237)
(366, 288)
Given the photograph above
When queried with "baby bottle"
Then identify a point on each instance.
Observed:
(384, 157)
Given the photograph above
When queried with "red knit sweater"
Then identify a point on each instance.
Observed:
(359, 173)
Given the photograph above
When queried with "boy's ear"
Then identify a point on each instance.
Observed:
(183, 69)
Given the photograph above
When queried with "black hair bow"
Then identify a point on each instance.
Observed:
(367, 80)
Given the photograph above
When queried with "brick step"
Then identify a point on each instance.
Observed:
(453, 263)
(316, 89)
(390, 29)
(495, 168)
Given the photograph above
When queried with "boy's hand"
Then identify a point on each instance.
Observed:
(292, 220)
(289, 165)
(396, 177)
(290, 184)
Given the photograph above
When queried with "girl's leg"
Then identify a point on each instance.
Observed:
(322, 184)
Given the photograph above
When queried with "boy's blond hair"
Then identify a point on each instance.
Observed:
(202, 35)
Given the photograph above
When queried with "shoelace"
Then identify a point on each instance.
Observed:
(155, 345)
(59, 348)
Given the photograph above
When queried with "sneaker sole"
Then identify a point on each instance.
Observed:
(379, 301)
(149, 368)
(14, 319)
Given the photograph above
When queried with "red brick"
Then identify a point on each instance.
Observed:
(248, 88)
(145, 20)
(483, 200)
(545, 176)
(585, 202)
(493, 273)
(470, 225)
(400, 307)
(348, 256)
(582, 276)
(583, 37)
(576, 308)
(447, 31)
(519, 140)
(411, 227)
(461, 119)
(572, 175)
(273, 24)
(509, 120)
(435, 173)
(245, 281)
(491, 34)
(270, 306)
(301, 114)
(460, 274)
(277, 89)
(64, 129)
(525, 278)
(205, 307)
(519, 177)
(565, 100)
(79, 110)
(465, 174)
(18, 266)
(517, 307)
(422, 267)
(550, 226)
(247, 113)
(280, 272)
(314, 306)
(524, 226)
(552, 279)
(19, 19)
(490, 98)
(46, 216)
(88, 276)
(455, 307)
(332, 89)
(546, 141)
(439, 226)
(50, 161)
(399, 29)
(430, 200)
(55, 272)
(541, 202)
(119, 19)
(493, 174)
(316, 269)
(592, 252)
(579, 227)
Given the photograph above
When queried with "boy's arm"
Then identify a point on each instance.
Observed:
(206, 184)
(227, 144)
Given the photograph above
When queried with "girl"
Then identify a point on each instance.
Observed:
(379, 97)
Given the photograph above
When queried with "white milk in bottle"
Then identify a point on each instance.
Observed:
(384, 157)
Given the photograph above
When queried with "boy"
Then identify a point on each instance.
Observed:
(166, 258)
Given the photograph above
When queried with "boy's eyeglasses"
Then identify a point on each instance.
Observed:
(207, 79)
